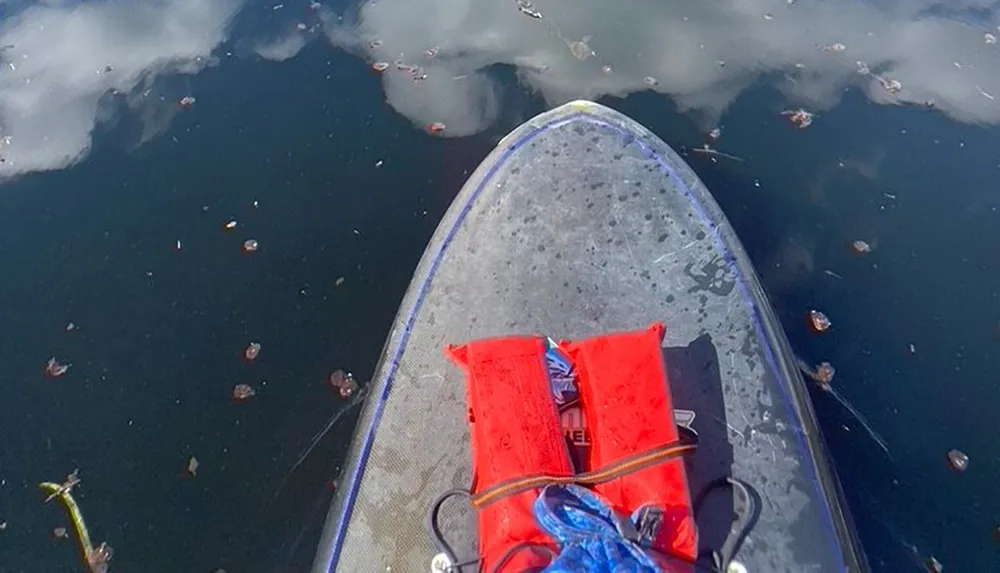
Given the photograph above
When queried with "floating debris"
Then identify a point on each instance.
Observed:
(933, 565)
(715, 134)
(863, 68)
(800, 118)
(822, 373)
(96, 558)
(769, 17)
(650, 81)
(958, 460)
(436, 128)
(891, 86)
(861, 247)
(250, 246)
(230, 225)
(606, 68)
(243, 392)
(70, 327)
(343, 382)
(53, 369)
(580, 49)
(989, 38)
(187, 101)
(706, 150)
(71, 481)
(380, 66)
(983, 93)
(193, 466)
(60, 533)
(99, 558)
(338, 282)
(835, 48)
(252, 350)
(526, 8)
(818, 321)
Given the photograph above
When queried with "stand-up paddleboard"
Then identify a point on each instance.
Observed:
(582, 222)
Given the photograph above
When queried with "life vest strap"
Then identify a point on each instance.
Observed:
(610, 472)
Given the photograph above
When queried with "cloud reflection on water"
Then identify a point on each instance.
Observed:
(281, 49)
(62, 59)
(702, 54)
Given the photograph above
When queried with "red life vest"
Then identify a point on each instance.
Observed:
(518, 444)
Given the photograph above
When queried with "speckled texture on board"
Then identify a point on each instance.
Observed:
(577, 231)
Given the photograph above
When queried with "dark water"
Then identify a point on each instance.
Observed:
(326, 165)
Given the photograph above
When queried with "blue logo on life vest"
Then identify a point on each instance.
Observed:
(566, 394)
(562, 375)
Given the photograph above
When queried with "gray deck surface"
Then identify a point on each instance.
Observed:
(579, 223)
